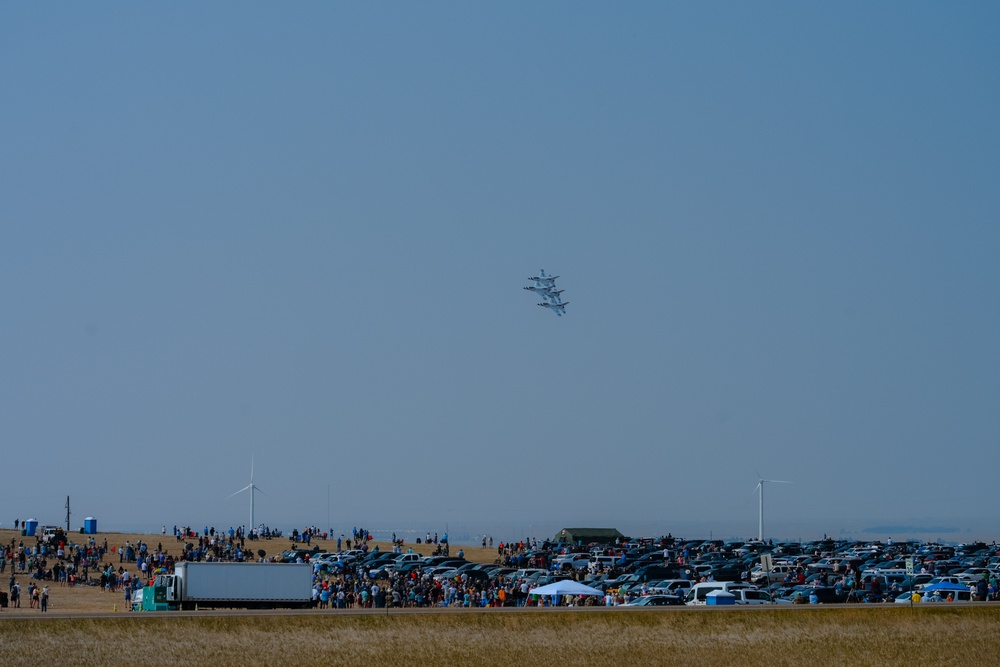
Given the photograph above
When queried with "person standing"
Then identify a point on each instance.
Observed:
(45, 599)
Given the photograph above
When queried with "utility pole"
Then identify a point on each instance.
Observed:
(67, 515)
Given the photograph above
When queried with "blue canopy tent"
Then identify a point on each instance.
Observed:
(944, 586)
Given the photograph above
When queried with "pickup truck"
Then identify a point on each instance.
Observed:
(575, 561)
(777, 573)
(407, 558)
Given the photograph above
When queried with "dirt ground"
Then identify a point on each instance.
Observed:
(94, 599)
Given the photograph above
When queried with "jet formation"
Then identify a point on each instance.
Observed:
(545, 287)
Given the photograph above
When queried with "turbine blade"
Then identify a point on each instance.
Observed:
(776, 481)
(239, 492)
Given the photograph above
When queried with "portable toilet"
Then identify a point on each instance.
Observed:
(90, 526)
(720, 598)
(30, 526)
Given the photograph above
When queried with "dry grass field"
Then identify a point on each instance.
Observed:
(748, 637)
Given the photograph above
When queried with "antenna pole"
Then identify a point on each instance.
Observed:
(67, 515)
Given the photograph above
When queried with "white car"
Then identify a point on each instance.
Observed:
(750, 596)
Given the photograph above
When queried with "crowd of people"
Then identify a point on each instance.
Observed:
(356, 586)
(123, 568)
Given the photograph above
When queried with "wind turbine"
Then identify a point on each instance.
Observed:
(760, 488)
(252, 487)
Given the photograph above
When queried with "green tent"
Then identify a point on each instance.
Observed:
(588, 535)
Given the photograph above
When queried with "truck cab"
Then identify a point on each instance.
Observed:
(162, 595)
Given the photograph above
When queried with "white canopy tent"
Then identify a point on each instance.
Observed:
(566, 587)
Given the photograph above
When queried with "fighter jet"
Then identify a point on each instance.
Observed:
(553, 295)
(547, 293)
(557, 308)
(542, 280)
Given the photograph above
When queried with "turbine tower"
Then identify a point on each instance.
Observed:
(760, 490)
(252, 488)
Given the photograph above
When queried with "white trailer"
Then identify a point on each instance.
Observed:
(244, 585)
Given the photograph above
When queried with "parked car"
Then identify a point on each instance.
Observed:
(957, 596)
(777, 573)
(655, 601)
(824, 595)
(697, 594)
(574, 561)
(671, 587)
(751, 596)
(546, 579)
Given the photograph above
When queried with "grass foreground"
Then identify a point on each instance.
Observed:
(884, 635)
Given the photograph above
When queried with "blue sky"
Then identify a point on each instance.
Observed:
(300, 231)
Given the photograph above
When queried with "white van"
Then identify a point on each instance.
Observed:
(698, 592)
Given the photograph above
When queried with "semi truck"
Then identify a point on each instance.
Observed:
(194, 585)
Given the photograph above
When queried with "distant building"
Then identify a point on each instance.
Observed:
(589, 535)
